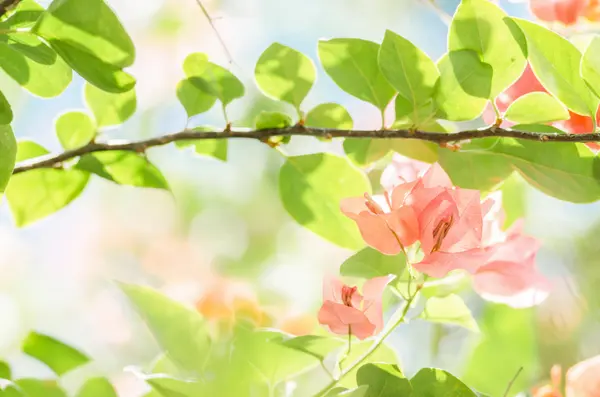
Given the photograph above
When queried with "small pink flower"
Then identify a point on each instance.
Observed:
(345, 310)
(583, 379)
(382, 225)
(402, 170)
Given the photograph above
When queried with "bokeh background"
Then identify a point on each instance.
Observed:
(224, 228)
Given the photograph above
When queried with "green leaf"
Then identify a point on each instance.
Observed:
(55, 354)
(509, 341)
(123, 168)
(216, 148)
(383, 380)
(110, 108)
(172, 387)
(40, 388)
(194, 100)
(329, 115)
(450, 309)
(433, 382)
(415, 116)
(97, 387)
(35, 194)
(285, 74)
(75, 129)
(269, 120)
(317, 346)
(369, 263)
(90, 38)
(311, 188)
(590, 66)
(383, 355)
(25, 15)
(465, 83)
(408, 69)
(475, 166)
(556, 63)
(481, 26)
(360, 391)
(536, 107)
(364, 151)
(8, 155)
(6, 114)
(11, 389)
(5, 372)
(352, 65)
(212, 79)
(271, 360)
(34, 65)
(180, 331)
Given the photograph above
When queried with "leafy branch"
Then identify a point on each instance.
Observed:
(56, 160)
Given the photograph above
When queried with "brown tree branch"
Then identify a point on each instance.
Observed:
(56, 160)
(7, 5)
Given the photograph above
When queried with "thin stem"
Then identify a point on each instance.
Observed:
(498, 114)
(383, 119)
(56, 160)
(373, 347)
(214, 28)
(512, 381)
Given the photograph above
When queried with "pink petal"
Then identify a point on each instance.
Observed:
(376, 232)
(583, 379)
(340, 317)
(436, 177)
(353, 206)
(441, 208)
(373, 292)
(332, 289)
(565, 11)
(401, 192)
(439, 264)
(465, 233)
(403, 221)
(401, 170)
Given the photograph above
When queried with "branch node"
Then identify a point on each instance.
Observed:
(544, 138)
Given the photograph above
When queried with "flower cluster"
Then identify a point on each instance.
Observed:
(581, 380)
(455, 230)
(567, 12)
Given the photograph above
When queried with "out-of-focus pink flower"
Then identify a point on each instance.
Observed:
(402, 170)
(552, 390)
(383, 225)
(345, 310)
(564, 11)
(583, 379)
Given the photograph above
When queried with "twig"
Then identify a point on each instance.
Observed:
(54, 161)
(214, 28)
(7, 5)
(512, 381)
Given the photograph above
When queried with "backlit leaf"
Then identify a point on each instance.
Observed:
(60, 357)
(74, 129)
(110, 108)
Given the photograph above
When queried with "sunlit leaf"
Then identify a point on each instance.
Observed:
(26, 14)
(8, 154)
(285, 74)
(123, 168)
(450, 309)
(35, 194)
(110, 108)
(364, 151)
(267, 120)
(513, 198)
(536, 107)
(34, 65)
(383, 380)
(352, 65)
(5, 372)
(317, 346)
(383, 355)
(329, 115)
(360, 391)
(74, 129)
(369, 263)
(212, 79)
(180, 331)
(556, 63)
(311, 188)
(408, 69)
(6, 113)
(97, 387)
(194, 100)
(590, 66)
(90, 38)
(465, 85)
(481, 26)
(40, 388)
(433, 382)
(60, 357)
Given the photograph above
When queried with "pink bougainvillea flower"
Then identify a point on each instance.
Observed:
(552, 390)
(583, 379)
(564, 11)
(383, 226)
(345, 310)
